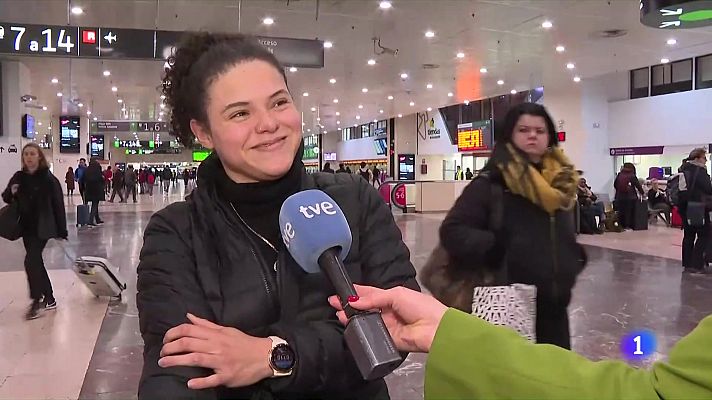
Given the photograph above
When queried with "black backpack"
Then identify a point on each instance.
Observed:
(674, 189)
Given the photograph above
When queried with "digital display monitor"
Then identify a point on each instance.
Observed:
(474, 136)
(69, 134)
(406, 167)
(329, 156)
(96, 146)
(381, 146)
(28, 126)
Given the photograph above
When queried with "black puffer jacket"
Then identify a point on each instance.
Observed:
(41, 204)
(534, 247)
(197, 257)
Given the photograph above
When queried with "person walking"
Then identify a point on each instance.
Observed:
(79, 176)
(376, 175)
(150, 181)
(130, 181)
(341, 169)
(530, 186)
(327, 168)
(695, 223)
(166, 177)
(69, 181)
(108, 175)
(95, 192)
(628, 188)
(468, 174)
(118, 186)
(41, 205)
(364, 172)
(142, 180)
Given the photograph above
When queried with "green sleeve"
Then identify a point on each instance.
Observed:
(471, 359)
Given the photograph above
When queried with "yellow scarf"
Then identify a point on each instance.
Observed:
(552, 189)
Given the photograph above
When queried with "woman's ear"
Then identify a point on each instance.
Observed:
(201, 133)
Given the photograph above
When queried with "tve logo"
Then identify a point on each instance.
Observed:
(310, 211)
(288, 234)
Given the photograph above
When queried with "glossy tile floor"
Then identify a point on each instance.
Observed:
(91, 348)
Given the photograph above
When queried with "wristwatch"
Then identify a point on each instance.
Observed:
(281, 357)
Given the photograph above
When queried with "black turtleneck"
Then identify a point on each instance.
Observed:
(259, 203)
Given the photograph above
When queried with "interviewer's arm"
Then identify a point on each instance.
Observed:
(472, 359)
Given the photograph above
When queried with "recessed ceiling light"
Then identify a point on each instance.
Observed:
(114, 89)
(59, 94)
(375, 120)
(400, 115)
(338, 128)
(336, 101)
(429, 34)
(450, 94)
(390, 97)
(500, 82)
(107, 73)
(385, 5)
(577, 79)
(324, 131)
(380, 111)
(467, 102)
(95, 118)
(268, 21)
(513, 91)
(547, 24)
(483, 70)
(44, 108)
(358, 117)
(39, 123)
(120, 101)
(664, 60)
(671, 42)
(460, 55)
(570, 66)
(404, 76)
(328, 44)
(412, 103)
(88, 112)
(55, 80)
(560, 49)
(429, 86)
(292, 69)
(338, 113)
(163, 97)
(80, 105)
(308, 130)
(338, 122)
(318, 119)
(77, 10)
(161, 113)
(372, 62)
(332, 81)
(313, 109)
(162, 106)
(430, 109)
(360, 106)
(160, 119)
(364, 90)
(305, 94)
(304, 123)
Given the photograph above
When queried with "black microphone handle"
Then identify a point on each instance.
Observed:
(331, 265)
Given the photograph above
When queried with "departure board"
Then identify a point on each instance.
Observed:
(474, 136)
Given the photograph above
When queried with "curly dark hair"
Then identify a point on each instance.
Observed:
(198, 60)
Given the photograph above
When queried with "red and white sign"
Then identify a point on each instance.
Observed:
(89, 37)
(399, 196)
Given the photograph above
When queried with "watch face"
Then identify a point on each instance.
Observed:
(282, 358)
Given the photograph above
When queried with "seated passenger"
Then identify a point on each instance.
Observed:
(591, 207)
(658, 201)
(224, 310)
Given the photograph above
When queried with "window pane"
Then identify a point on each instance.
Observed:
(641, 78)
(661, 74)
(682, 71)
(704, 68)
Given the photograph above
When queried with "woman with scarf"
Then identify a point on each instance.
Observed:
(536, 243)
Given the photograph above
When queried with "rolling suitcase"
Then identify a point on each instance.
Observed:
(676, 218)
(640, 216)
(82, 215)
(100, 276)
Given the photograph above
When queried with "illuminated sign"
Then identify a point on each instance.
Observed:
(676, 14)
(69, 134)
(474, 136)
(128, 126)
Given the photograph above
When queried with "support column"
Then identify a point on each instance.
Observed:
(15, 83)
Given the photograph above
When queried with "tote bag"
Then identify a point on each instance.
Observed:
(10, 222)
(513, 306)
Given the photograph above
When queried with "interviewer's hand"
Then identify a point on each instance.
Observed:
(14, 188)
(237, 359)
(411, 317)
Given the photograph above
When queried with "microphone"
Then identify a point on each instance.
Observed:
(318, 237)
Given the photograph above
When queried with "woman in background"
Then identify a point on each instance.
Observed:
(69, 180)
(94, 190)
(628, 188)
(42, 217)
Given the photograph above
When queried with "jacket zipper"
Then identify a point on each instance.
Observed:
(555, 258)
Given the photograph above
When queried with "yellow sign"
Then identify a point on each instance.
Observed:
(470, 139)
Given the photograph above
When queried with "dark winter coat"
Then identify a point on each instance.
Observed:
(41, 204)
(198, 257)
(94, 183)
(627, 186)
(534, 247)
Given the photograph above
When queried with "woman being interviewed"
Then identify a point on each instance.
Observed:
(222, 305)
(536, 243)
(42, 217)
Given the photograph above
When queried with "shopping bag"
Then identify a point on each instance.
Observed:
(10, 228)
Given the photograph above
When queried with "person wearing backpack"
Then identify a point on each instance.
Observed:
(531, 185)
(628, 188)
(694, 211)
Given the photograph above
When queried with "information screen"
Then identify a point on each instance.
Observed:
(96, 146)
(474, 136)
(381, 146)
(69, 134)
(406, 167)
(28, 126)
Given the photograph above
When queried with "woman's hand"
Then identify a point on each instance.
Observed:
(236, 358)
(411, 317)
(14, 188)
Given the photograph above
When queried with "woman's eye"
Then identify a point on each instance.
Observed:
(239, 114)
(281, 102)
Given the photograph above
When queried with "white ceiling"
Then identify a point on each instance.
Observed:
(504, 36)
